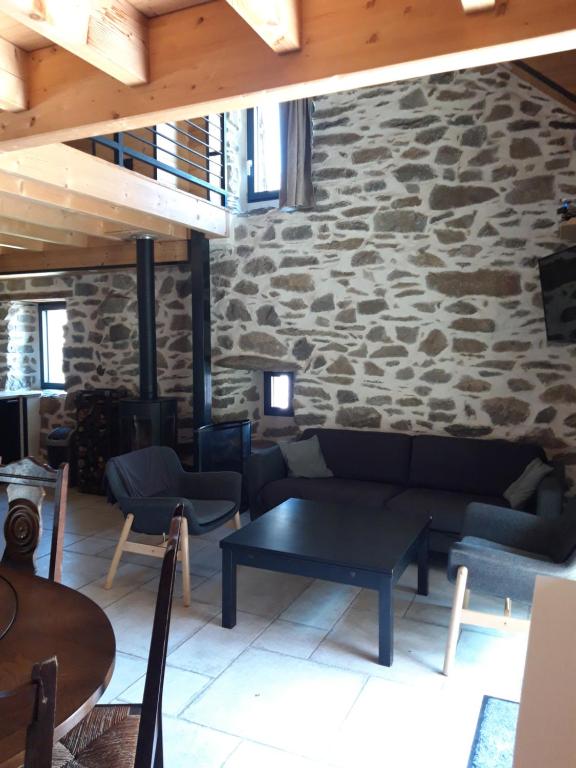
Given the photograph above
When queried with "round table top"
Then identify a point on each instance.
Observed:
(54, 620)
(8, 605)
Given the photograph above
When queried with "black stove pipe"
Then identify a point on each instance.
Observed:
(199, 259)
(146, 318)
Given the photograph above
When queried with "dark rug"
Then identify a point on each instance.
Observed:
(493, 745)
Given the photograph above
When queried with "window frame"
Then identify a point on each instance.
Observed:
(269, 410)
(43, 307)
(251, 195)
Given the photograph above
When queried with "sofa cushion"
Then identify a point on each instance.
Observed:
(446, 508)
(485, 467)
(332, 489)
(364, 455)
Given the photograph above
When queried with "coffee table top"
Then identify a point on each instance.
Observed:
(354, 537)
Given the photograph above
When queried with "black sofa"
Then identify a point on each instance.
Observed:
(440, 475)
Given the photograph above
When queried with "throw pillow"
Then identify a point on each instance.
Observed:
(304, 458)
(525, 486)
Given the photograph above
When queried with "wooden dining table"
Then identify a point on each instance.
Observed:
(40, 619)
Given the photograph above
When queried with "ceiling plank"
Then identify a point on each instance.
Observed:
(65, 168)
(111, 35)
(33, 231)
(118, 255)
(13, 96)
(9, 241)
(205, 60)
(276, 21)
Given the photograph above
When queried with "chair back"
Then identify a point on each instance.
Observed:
(27, 480)
(31, 706)
(149, 747)
(144, 473)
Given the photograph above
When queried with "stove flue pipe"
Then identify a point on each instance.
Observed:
(146, 318)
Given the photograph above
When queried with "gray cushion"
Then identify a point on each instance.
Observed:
(446, 507)
(304, 458)
(335, 489)
(524, 487)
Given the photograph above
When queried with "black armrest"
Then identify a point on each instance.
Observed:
(262, 468)
(510, 527)
(550, 493)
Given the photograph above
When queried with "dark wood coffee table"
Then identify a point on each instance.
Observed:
(336, 542)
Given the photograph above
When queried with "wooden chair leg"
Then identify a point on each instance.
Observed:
(507, 607)
(466, 602)
(118, 551)
(456, 618)
(236, 521)
(185, 553)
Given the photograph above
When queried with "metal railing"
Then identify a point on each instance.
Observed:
(191, 154)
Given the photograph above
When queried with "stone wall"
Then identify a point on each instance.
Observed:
(409, 299)
(19, 352)
(101, 338)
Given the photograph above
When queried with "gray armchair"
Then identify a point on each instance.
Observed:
(501, 553)
(148, 484)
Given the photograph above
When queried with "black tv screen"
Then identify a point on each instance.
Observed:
(558, 280)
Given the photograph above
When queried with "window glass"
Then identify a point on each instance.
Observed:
(52, 322)
(264, 152)
(278, 393)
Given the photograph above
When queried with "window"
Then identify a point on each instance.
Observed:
(264, 153)
(52, 319)
(278, 392)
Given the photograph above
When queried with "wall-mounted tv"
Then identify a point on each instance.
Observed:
(558, 280)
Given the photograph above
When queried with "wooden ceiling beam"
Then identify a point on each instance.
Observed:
(10, 241)
(33, 231)
(77, 173)
(276, 21)
(114, 255)
(205, 60)
(13, 96)
(111, 35)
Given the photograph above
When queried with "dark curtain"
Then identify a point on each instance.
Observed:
(296, 190)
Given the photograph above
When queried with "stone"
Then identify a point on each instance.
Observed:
(405, 374)
(499, 112)
(302, 349)
(436, 376)
(463, 430)
(413, 172)
(299, 261)
(85, 289)
(262, 344)
(406, 335)
(371, 155)
(511, 345)
(444, 197)
(521, 148)
(560, 393)
(447, 155)
(119, 332)
(520, 385)
(372, 306)
(547, 415)
(346, 396)
(413, 99)
(260, 265)
(434, 343)
(468, 346)
(181, 344)
(341, 366)
(246, 287)
(390, 350)
(331, 174)
(267, 315)
(346, 316)
(430, 135)
(323, 303)
(302, 232)
(236, 310)
(487, 230)
(461, 308)
(472, 386)
(359, 417)
(254, 363)
(532, 190)
(224, 268)
(474, 137)
(506, 411)
(473, 325)
(350, 244)
(336, 140)
(365, 259)
(296, 283)
(371, 369)
(482, 282)
(400, 221)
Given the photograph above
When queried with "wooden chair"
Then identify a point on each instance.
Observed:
(31, 705)
(130, 736)
(27, 480)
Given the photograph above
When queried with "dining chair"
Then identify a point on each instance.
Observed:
(501, 553)
(147, 484)
(130, 735)
(27, 481)
(31, 706)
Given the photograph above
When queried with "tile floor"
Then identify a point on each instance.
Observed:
(294, 684)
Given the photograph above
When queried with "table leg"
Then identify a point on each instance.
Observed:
(385, 622)
(423, 564)
(228, 589)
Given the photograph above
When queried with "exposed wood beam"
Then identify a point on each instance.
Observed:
(9, 241)
(120, 255)
(33, 231)
(12, 77)
(110, 35)
(67, 169)
(48, 217)
(205, 60)
(276, 21)
(475, 6)
(553, 75)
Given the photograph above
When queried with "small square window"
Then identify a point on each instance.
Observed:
(52, 319)
(278, 394)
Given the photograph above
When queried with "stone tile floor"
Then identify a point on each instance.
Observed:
(294, 684)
